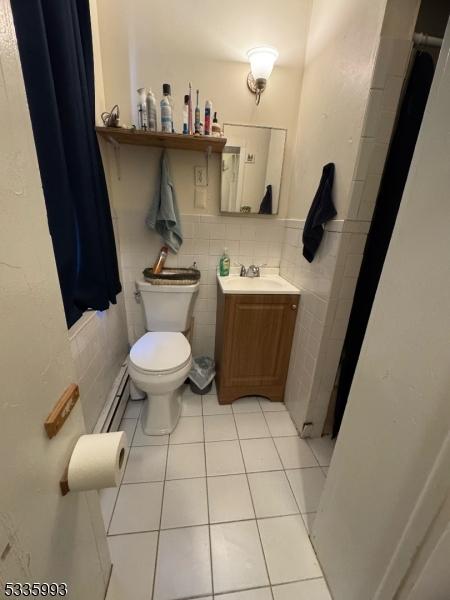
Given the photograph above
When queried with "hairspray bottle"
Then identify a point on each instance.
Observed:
(142, 109)
(151, 111)
(190, 130)
(208, 113)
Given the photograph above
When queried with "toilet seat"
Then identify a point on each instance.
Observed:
(160, 352)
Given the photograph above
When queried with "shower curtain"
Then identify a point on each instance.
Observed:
(55, 45)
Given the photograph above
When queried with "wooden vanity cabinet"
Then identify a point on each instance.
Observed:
(253, 344)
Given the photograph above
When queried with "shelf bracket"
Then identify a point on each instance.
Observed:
(116, 148)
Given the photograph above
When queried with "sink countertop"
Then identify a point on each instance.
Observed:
(269, 283)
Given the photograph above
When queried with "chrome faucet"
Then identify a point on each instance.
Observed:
(252, 271)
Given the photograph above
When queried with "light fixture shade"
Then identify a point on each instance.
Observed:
(261, 61)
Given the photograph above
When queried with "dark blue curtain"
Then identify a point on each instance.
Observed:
(55, 45)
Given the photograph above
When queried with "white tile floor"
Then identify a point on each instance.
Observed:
(220, 509)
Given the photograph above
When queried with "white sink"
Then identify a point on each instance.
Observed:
(266, 284)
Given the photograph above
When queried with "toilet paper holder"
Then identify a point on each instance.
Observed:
(62, 410)
(64, 481)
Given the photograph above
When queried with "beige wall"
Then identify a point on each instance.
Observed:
(381, 492)
(342, 44)
(43, 536)
(143, 44)
(133, 57)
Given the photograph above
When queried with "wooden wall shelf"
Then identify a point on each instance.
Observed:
(158, 139)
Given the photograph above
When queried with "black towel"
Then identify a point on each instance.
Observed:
(322, 210)
(266, 203)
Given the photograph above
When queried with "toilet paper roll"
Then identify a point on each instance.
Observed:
(97, 461)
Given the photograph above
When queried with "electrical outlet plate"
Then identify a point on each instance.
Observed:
(200, 176)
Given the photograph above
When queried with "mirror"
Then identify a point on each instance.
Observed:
(252, 162)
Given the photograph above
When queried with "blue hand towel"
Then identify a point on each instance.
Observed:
(163, 215)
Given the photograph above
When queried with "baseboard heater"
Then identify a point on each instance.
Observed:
(112, 413)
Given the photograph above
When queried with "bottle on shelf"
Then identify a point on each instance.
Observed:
(186, 115)
(142, 109)
(208, 112)
(197, 118)
(166, 115)
(159, 263)
(190, 130)
(167, 94)
(215, 128)
(151, 111)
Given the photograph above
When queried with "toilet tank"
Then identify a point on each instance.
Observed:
(167, 307)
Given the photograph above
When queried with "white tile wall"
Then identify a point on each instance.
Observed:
(98, 343)
(387, 82)
(328, 285)
(329, 282)
(249, 240)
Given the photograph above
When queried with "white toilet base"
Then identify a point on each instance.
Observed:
(162, 407)
(161, 412)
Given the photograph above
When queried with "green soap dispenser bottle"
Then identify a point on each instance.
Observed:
(224, 264)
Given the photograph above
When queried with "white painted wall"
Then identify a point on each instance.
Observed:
(147, 44)
(347, 118)
(398, 414)
(342, 43)
(51, 538)
(429, 576)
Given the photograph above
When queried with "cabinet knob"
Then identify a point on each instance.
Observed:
(294, 307)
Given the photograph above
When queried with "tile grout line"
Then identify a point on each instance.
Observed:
(290, 485)
(160, 522)
(254, 512)
(215, 523)
(121, 481)
(315, 456)
(250, 589)
(207, 492)
(207, 503)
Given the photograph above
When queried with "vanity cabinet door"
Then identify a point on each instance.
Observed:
(253, 344)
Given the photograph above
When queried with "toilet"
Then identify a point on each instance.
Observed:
(161, 359)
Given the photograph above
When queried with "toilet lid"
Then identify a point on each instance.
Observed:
(160, 351)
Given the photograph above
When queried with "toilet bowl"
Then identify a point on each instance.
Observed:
(160, 360)
(158, 364)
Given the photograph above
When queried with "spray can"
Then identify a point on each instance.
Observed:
(166, 115)
(151, 111)
(190, 130)
(197, 117)
(208, 113)
(142, 109)
(167, 93)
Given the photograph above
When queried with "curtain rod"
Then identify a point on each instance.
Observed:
(422, 39)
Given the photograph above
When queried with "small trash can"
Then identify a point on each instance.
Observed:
(202, 375)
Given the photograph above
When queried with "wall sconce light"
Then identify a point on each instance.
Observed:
(261, 64)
